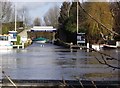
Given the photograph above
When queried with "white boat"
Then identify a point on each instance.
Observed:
(111, 44)
(106, 46)
(5, 44)
(40, 40)
(6, 40)
(43, 41)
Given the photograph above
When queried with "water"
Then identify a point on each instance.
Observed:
(48, 61)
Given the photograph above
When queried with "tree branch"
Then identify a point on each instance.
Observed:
(105, 62)
(98, 21)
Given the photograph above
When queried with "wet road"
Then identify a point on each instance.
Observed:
(47, 61)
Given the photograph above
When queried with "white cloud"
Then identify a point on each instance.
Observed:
(38, 0)
(36, 9)
(59, 0)
(30, 5)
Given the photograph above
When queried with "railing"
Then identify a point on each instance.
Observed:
(63, 83)
(76, 83)
(10, 79)
(19, 46)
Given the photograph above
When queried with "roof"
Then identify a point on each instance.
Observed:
(12, 31)
(43, 28)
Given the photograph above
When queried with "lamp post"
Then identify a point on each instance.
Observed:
(77, 16)
(77, 21)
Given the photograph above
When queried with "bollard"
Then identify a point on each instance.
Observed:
(88, 46)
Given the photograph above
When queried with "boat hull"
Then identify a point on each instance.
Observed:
(6, 47)
(105, 46)
(40, 41)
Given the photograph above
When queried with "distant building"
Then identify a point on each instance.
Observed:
(47, 32)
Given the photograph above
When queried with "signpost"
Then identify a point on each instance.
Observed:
(81, 38)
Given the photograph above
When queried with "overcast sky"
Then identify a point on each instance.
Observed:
(37, 9)
(38, 0)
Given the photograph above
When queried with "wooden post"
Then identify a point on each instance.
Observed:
(81, 84)
(17, 46)
(94, 84)
(53, 38)
(88, 46)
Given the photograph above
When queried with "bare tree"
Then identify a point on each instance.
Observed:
(46, 20)
(37, 21)
(0, 17)
(23, 15)
(51, 17)
(6, 10)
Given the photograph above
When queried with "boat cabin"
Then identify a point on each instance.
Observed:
(13, 36)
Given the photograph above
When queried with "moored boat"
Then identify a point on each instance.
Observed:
(111, 44)
(40, 40)
(106, 46)
(5, 43)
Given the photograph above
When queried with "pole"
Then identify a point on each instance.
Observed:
(1, 13)
(15, 16)
(77, 20)
(77, 16)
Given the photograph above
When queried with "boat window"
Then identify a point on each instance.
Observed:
(5, 38)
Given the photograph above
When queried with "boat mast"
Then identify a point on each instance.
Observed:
(15, 16)
(1, 13)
